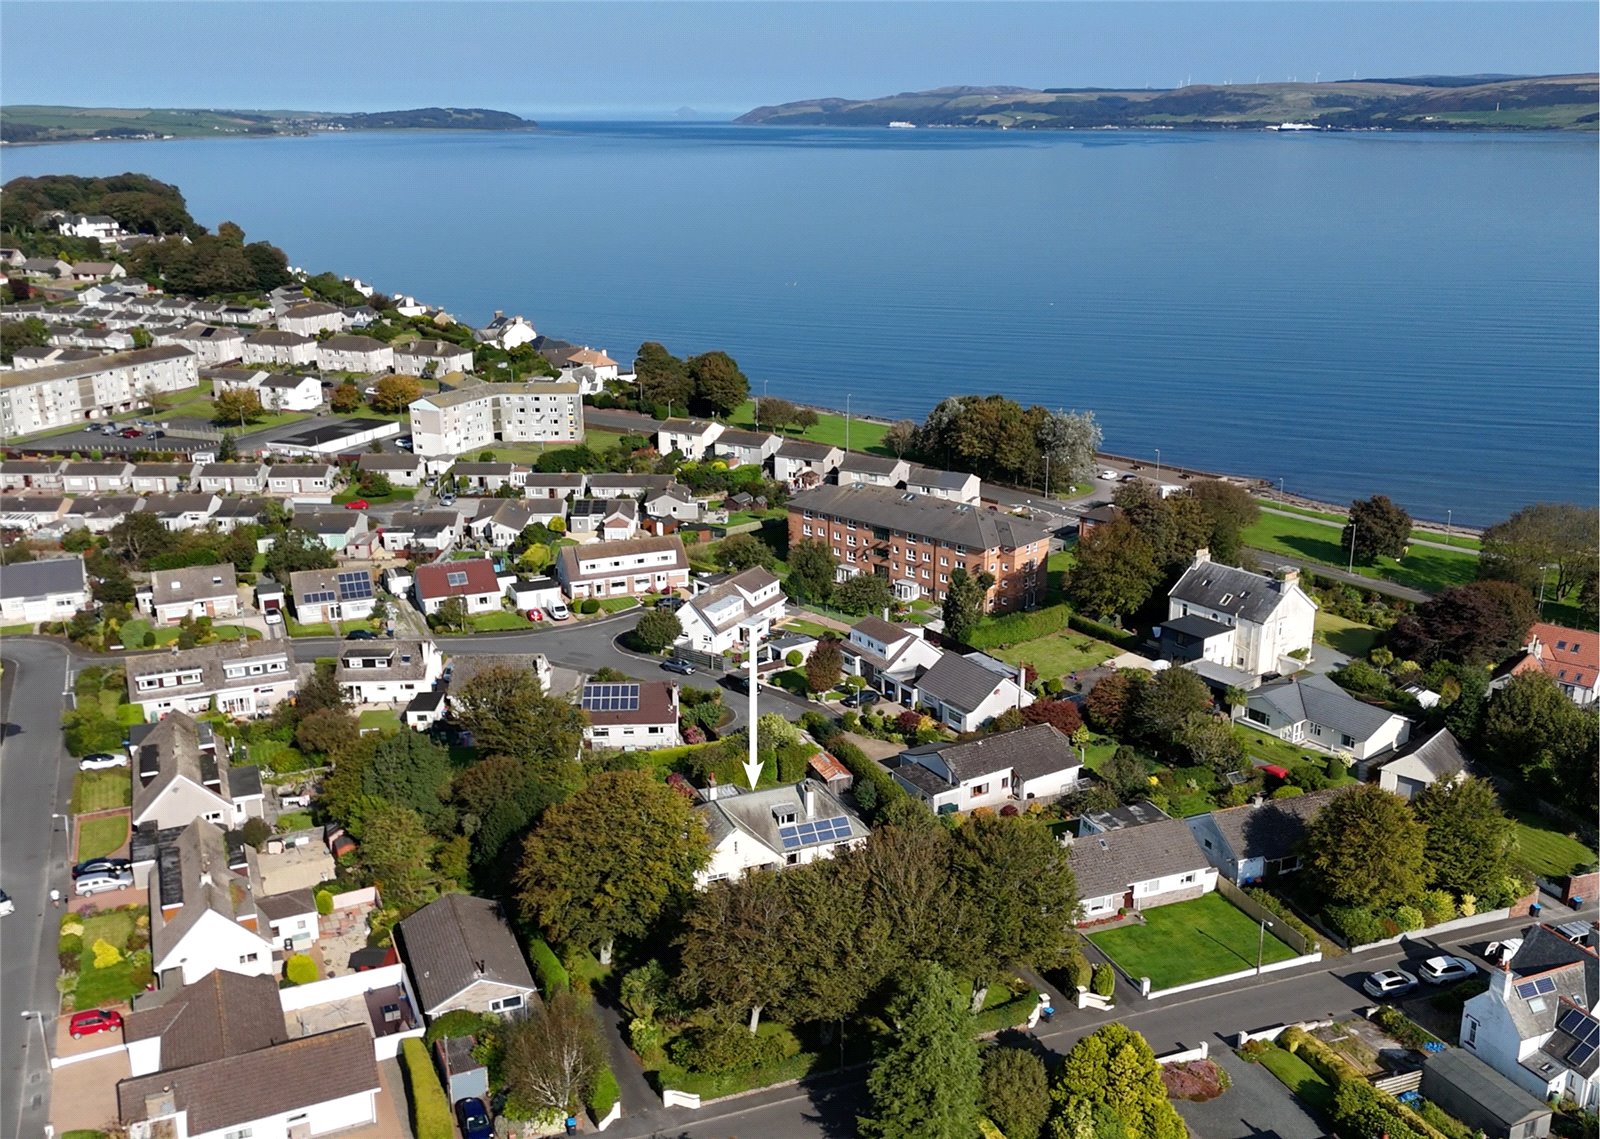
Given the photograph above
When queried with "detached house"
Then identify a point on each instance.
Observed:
(1035, 762)
(501, 520)
(1437, 759)
(335, 529)
(623, 569)
(746, 448)
(674, 502)
(460, 953)
(1262, 839)
(611, 520)
(630, 716)
(723, 613)
(506, 332)
(955, 486)
(1266, 619)
(332, 595)
(194, 591)
(892, 658)
(1570, 657)
(796, 462)
(691, 438)
(473, 581)
(872, 470)
(965, 692)
(1319, 713)
(181, 773)
(243, 677)
(387, 671)
(49, 590)
(1137, 868)
(770, 829)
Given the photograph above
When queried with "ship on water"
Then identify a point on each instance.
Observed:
(902, 125)
(1294, 127)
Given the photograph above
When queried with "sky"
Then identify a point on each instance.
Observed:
(617, 58)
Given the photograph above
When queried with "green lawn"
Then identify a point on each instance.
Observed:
(102, 836)
(15, 630)
(101, 790)
(794, 1065)
(617, 604)
(1465, 541)
(1189, 941)
(1296, 1075)
(808, 628)
(398, 494)
(380, 719)
(1059, 653)
(1547, 850)
(320, 629)
(498, 622)
(294, 821)
(1424, 568)
(830, 428)
(115, 983)
(1343, 635)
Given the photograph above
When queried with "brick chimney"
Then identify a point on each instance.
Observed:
(1201, 556)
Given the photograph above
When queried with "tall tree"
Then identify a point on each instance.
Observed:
(397, 851)
(1213, 742)
(743, 551)
(863, 593)
(1532, 728)
(410, 770)
(1115, 571)
(1016, 1091)
(736, 944)
(909, 884)
(773, 414)
(900, 436)
(926, 1085)
(605, 863)
(1068, 440)
(1471, 844)
(396, 393)
(838, 947)
(237, 405)
(663, 378)
(1560, 535)
(1379, 528)
(964, 602)
(1114, 700)
(139, 537)
(554, 1055)
(811, 569)
(293, 550)
(719, 385)
(1113, 1072)
(1166, 702)
(657, 629)
(507, 712)
(1367, 849)
(825, 665)
(1016, 882)
(1481, 622)
(345, 398)
(1230, 510)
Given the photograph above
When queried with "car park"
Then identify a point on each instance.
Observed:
(101, 883)
(678, 665)
(1388, 983)
(1444, 969)
(102, 761)
(474, 1119)
(94, 1020)
(559, 612)
(92, 866)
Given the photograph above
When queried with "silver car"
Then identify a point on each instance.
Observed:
(101, 883)
(1388, 983)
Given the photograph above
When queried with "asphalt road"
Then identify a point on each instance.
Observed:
(35, 782)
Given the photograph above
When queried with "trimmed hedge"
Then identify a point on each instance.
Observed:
(604, 1095)
(553, 976)
(1119, 637)
(1013, 628)
(430, 1112)
(866, 770)
(457, 1022)
(1343, 1076)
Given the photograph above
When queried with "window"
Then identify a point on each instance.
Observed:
(792, 859)
(1005, 781)
(980, 790)
(506, 1004)
(249, 958)
(1187, 880)
(242, 1133)
(1347, 741)
(1471, 1037)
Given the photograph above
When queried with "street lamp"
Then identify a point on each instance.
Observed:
(1352, 567)
(1448, 516)
(1261, 944)
(1280, 486)
(1158, 466)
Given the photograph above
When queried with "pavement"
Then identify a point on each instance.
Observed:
(1376, 585)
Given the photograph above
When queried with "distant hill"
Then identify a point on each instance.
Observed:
(24, 123)
(1478, 102)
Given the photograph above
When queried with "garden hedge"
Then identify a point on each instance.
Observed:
(430, 1111)
(604, 1095)
(553, 976)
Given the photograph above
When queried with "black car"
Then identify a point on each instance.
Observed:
(101, 866)
(678, 665)
(361, 635)
(474, 1119)
(861, 699)
(669, 603)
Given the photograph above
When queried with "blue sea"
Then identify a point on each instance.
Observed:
(1405, 314)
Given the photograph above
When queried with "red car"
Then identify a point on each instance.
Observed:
(356, 504)
(130, 433)
(94, 1020)
(536, 614)
(1276, 771)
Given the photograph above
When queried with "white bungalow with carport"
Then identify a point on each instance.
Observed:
(1138, 868)
(1316, 712)
(774, 828)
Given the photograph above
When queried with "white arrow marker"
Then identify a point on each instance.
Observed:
(752, 766)
(753, 773)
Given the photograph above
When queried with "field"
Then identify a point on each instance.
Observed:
(865, 435)
(1189, 941)
(1343, 635)
(101, 836)
(1546, 850)
(1424, 568)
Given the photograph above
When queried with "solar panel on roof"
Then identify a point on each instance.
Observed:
(354, 585)
(1539, 986)
(610, 698)
(321, 597)
(1580, 1055)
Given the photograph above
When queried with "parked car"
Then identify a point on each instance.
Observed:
(474, 1119)
(90, 866)
(94, 1020)
(670, 603)
(678, 665)
(130, 433)
(158, 434)
(101, 883)
(273, 616)
(1389, 983)
(7, 906)
(536, 614)
(361, 635)
(447, 499)
(861, 699)
(102, 761)
(404, 442)
(357, 504)
(1500, 952)
(559, 612)
(1109, 475)
(1443, 970)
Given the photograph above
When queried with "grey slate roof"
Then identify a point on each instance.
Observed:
(884, 632)
(940, 519)
(1111, 863)
(811, 452)
(1227, 589)
(959, 682)
(932, 476)
(42, 578)
(857, 463)
(222, 1014)
(1196, 626)
(1321, 701)
(1441, 754)
(1495, 1095)
(194, 583)
(1275, 828)
(752, 813)
(1031, 752)
(453, 942)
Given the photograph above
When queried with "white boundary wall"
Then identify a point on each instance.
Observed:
(1226, 978)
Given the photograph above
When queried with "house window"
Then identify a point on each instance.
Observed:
(1471, 1037)
(792, 859)
(242, 1133)
(1005, 781)
(980, 790)
(249, 958)
(1187, 880)
(1256, 716)
(1347, 741)
(506, 1004)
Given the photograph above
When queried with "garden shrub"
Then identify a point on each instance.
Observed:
(1119, 637)
(1356, 924)
(866, 770)
(430, 1111)
(589, 605)
(1402, 1028)
(1077, 969)
(1408, 918)
(1103, 981)
(70, 944)
(793, 658)
(553, 976)
(300, 970)
(1288, 791)
(456, 1022)
(645, 1036)
(604, 1095)
(324, 903)
(1270, 901)
(722, 1047)
(1014, 628)
(105, 954)
(1437, 906)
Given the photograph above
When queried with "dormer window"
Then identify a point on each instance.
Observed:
(784, 815)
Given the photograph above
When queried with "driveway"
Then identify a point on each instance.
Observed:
(1257, 1106)
(84, 1095)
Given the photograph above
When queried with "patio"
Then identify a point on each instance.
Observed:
(343, 932)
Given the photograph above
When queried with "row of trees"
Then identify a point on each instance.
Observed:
(998, 437)
(708, 384)
(139, 203)
(219, 264)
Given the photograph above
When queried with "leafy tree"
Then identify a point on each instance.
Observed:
(451, 615)
(294, 550)
(825, 665)
(837, 950)
(1531, 727)
(1172, 527)
(1230, 510)
(863, 593)
(736, 944)
(1482, 622)
(331, 732)
(1016, 1092)
(657, 629)
(1558, 534)
(1213, 742)
(900, 436)
(607, 861)
(139, 538)
(1111, 703)
(773, 414)
(1471, 844)
(1111, 1076)
(964, 602)
(1068, 440)
(811, 570)
(1063, 715)
(1127, 774)
(410, 770)
(1115, 571)
(1379, 527)
(804, 419)
(29, 332)
(228, 448)
(498, 799)
(554, 1055)
(1013, 877)
(345, 398)
(1367, 848)
(743, 551)
(397, 852)
(508, 713)
(1166, 702)
(719, 385)
(663, 378)
(926, 1083)
(396, 393)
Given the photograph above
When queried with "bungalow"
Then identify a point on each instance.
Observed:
(625, 485)
(1261, 839)
(30, 512)
(473, 581)
(98, 271)
(281, 349)
(96, 478)
(957, 486)
(1437, 759)
(336, 529)
(623, 569)
(538, 484)
(676, 501)
(631, 716)
(501, 520)
(310, 318)
(1270, 617)
(243, 677)
(203, 912)
(890, 657)
(435, 530)
(431, 358)
(301, 478)
(460, 953)
(872, 470)
(400, 470)
(487, 477)
(234, 478)
(179, 512)
(31, 474)
(730, 611)
(354, 354)
(180, 773)
(1138, 868)
(193, 591)
(238, 512)
(746, 448)
(609, 519)
(99, 513)
(49, 590)
(462, 669)
(1318, 713)
(51, 267)
(965, 692)
(387, 671)
(792, 825)
(162, 478)
(691, 438)
(796, 458)
(332, 595)
(1036, 762)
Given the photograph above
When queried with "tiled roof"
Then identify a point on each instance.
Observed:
(194, 583)
(434, 580)
(453, 942)
(1273, 829)
(857, 463)
(1320, 701)
(43, 578)
(932, 476)
(657, 705)
(573, 557)
(1111, 863)
(222, 1014)
(1567, 656)
(1440, 754)
(810, 452)
(1226, 589)
(939, 519)
(352, 344)
(959, 682)
(753, 813)
(881, 631)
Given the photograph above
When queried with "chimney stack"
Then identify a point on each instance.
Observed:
(1202, 555)
(811, 799)
(1288, 578)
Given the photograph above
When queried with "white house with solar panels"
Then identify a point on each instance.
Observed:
(770, 829)
(332, 595)
(630, 716)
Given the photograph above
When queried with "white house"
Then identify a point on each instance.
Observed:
(623, 569)
(312, 317)
(332, 595)
(746, 448)
(1036, 762)
(179, 512)
(501, 520)
(400, 470)
(792, 825)
(49, 590)
(460, 953)
(159, 478)
(278, 348)
(387, 671)
(725, 612)
(473, 581)
(506, 332)
(796, 461)
(872, 470)
(480, 415)
(1137, 868)
(194, 591)
(534, 593)
(890, 657)
(202, 908)
(1262, 839)
(1536, 1024)
(181, 773)
(290, 391)
(957, 486)
(1271, 618)
(301, 478)
(243, 677)
(1316, 712)
(965, 692)
(1437, 759)
(354, 354)
(691, 438)
(631, 716)
(234, 478)
(676, 501)
(96, 477)
(97, 227)
(1570, 657)
(212, 345)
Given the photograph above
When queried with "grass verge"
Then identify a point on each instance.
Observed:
(1296, 1075)
(1345, 636)
(1423, 568)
